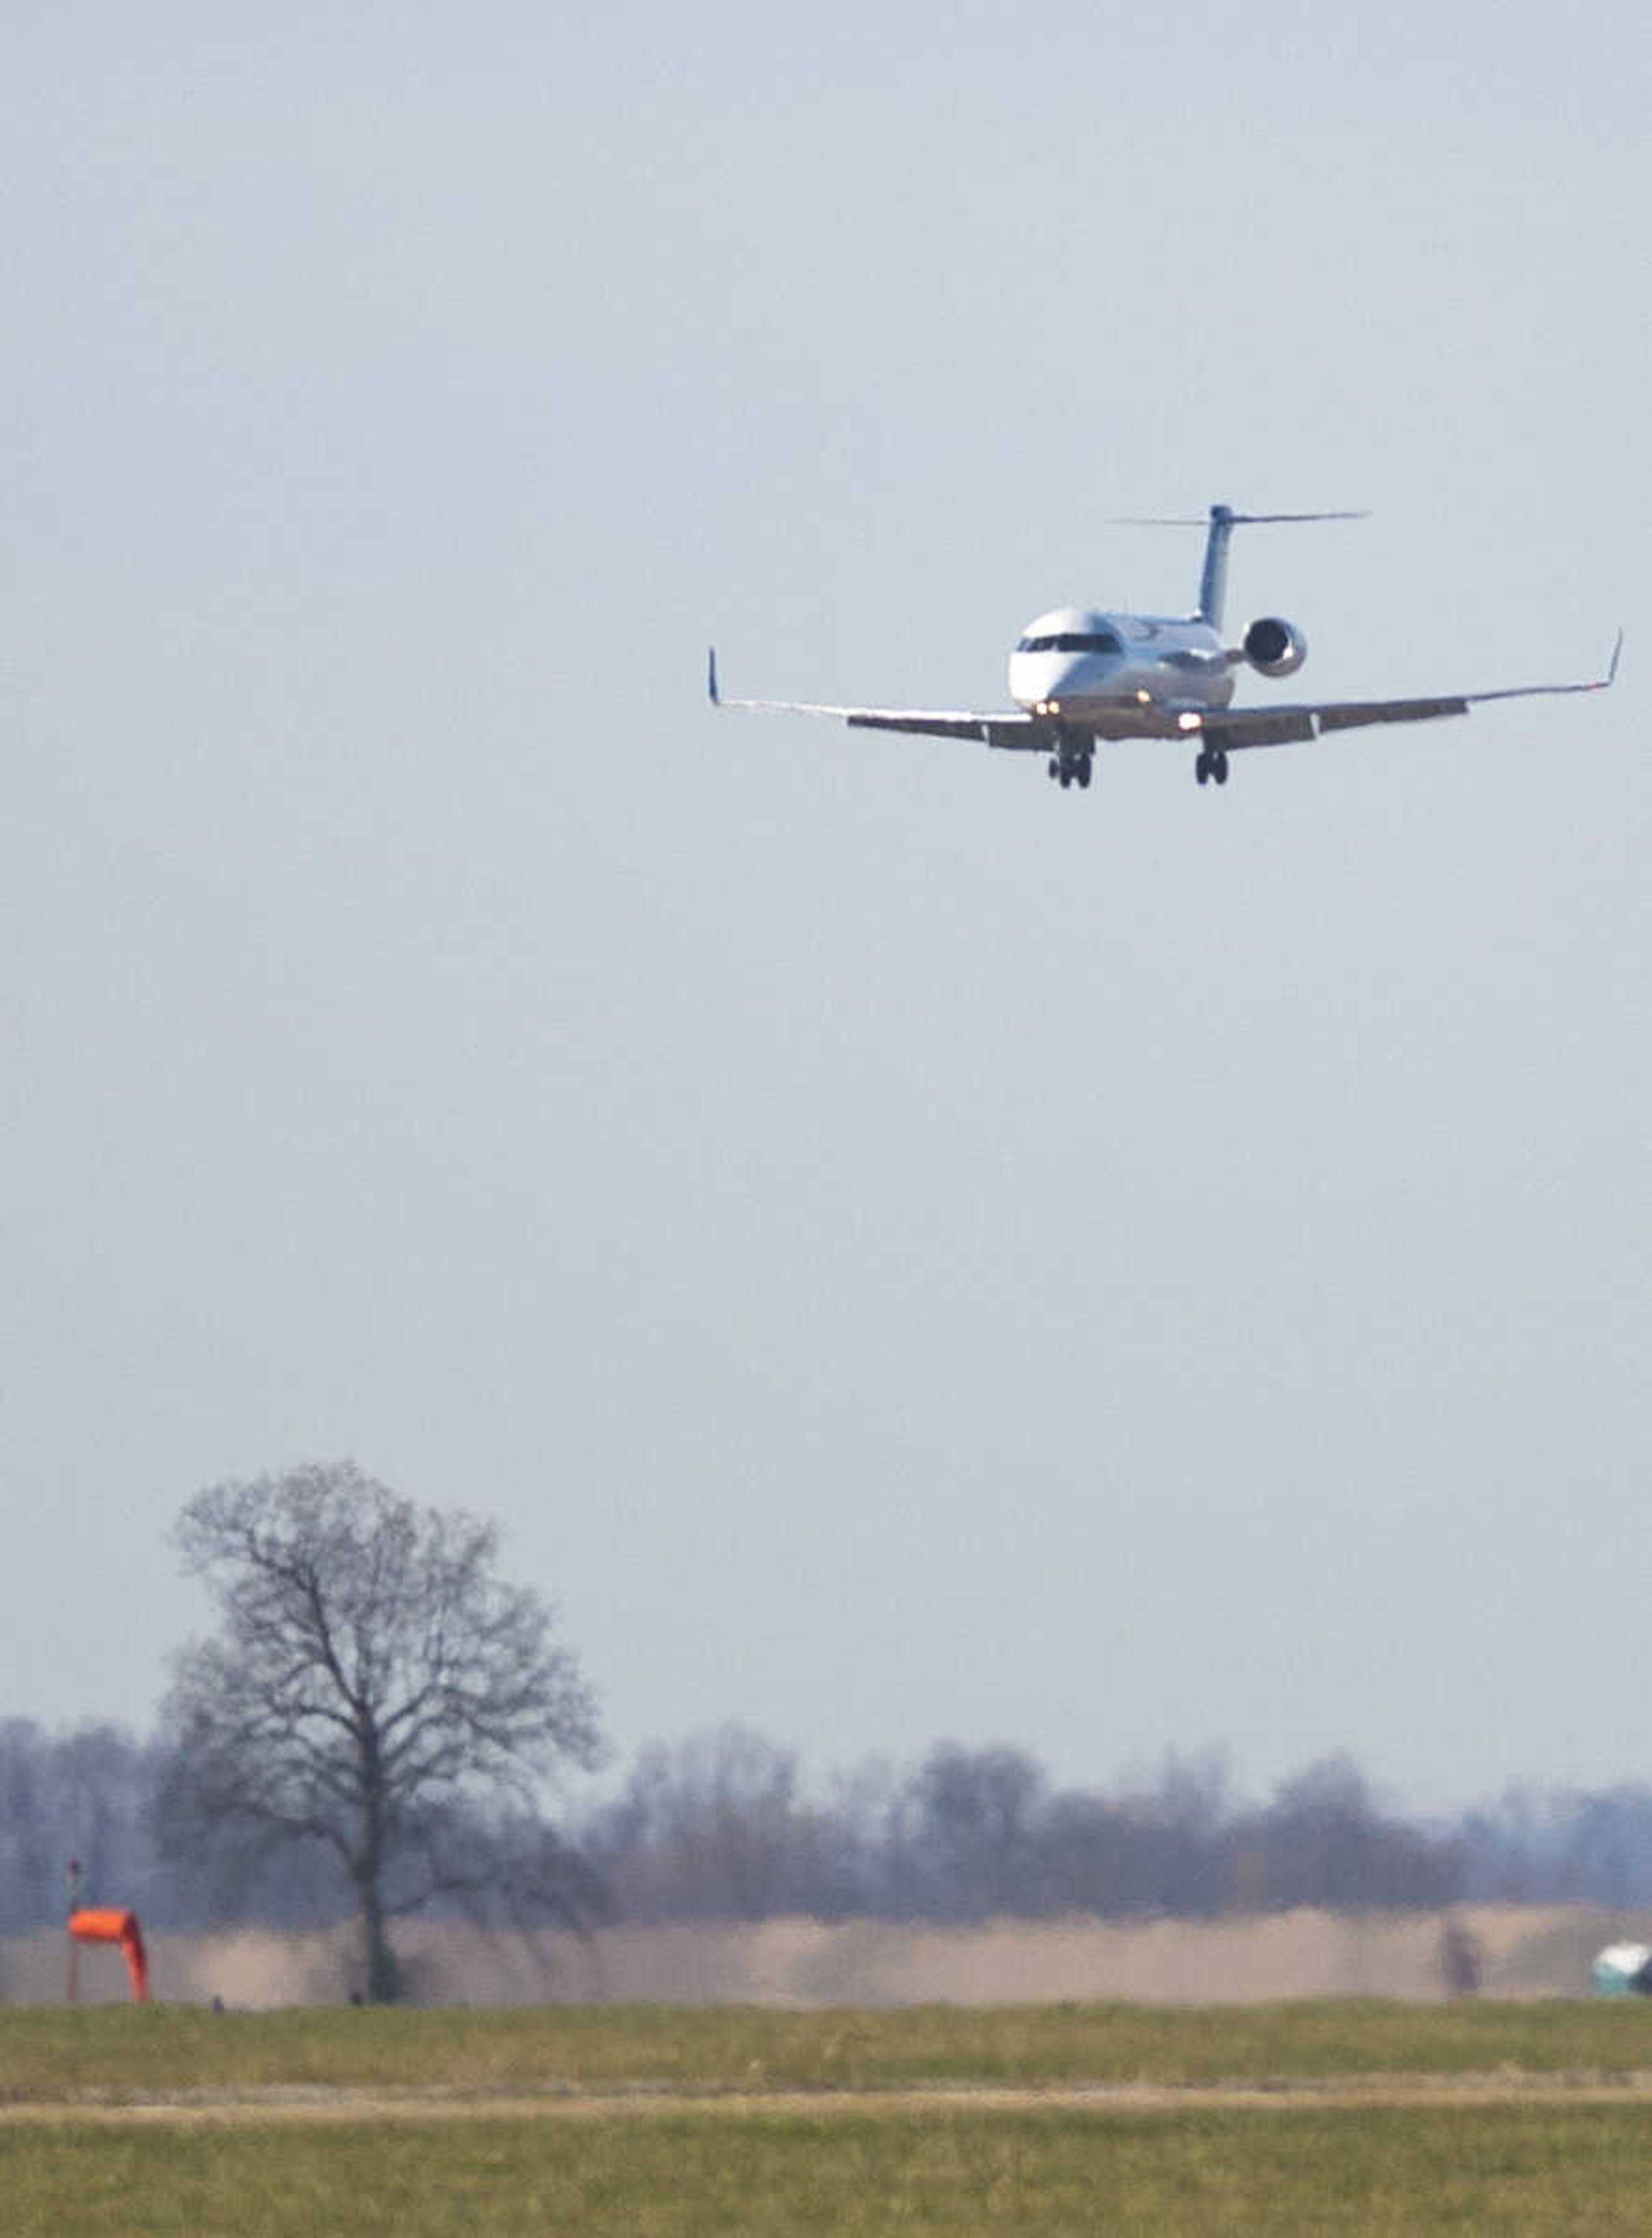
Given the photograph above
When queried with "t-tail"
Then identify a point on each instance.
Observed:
(1212, 582)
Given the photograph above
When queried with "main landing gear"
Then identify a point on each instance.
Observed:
(1211, 763)
(1072, 769)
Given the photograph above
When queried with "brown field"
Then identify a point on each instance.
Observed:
(804, 1964)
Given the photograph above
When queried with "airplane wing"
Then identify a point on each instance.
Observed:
(1234, 727)
(996, 728)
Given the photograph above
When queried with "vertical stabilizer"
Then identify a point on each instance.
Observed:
(1213, 583)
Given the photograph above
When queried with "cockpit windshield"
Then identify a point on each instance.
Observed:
(1072, 641)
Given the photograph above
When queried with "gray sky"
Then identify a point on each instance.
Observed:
(904, 1252)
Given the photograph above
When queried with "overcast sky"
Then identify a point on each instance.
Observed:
(904, 1252)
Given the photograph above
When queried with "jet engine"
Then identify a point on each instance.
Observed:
(1275, 647)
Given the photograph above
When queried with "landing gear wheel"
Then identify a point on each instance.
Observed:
(1219, 768)
(1083, 774)
(1054, 767)
(1201, 769)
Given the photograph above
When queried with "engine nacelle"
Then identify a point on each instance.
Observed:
(1275, 647)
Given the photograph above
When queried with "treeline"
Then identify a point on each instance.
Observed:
(720, 1827)
(95, 1795)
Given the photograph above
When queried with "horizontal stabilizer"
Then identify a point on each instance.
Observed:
(1222, 512)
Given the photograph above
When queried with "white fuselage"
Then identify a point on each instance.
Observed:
(1120, 676)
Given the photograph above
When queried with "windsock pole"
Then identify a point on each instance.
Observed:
(74, 1946)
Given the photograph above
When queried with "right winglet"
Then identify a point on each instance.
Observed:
(711, 676)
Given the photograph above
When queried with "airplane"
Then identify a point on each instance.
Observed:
(1080, 676)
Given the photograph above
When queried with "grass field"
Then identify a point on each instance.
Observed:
(1509, 2170)
(53, 2054)
(586, 2121)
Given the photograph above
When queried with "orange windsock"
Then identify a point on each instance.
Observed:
(115, 1926)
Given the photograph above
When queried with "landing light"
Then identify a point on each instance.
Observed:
(1189, 721)
(1145, 697)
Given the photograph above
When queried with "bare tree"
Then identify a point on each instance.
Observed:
(375, 1690)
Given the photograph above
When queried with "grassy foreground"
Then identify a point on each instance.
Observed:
(83, 2156)
(53, 2055)
(1501, 2172)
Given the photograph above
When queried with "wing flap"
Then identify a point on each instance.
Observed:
(1025, 731)
(1277, 726)
(1355, 714)
(1232, 728)
(1012, 730)
(1258, 726)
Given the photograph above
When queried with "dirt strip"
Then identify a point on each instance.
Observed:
(290, 2106)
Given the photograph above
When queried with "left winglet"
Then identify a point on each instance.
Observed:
(711, 676)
